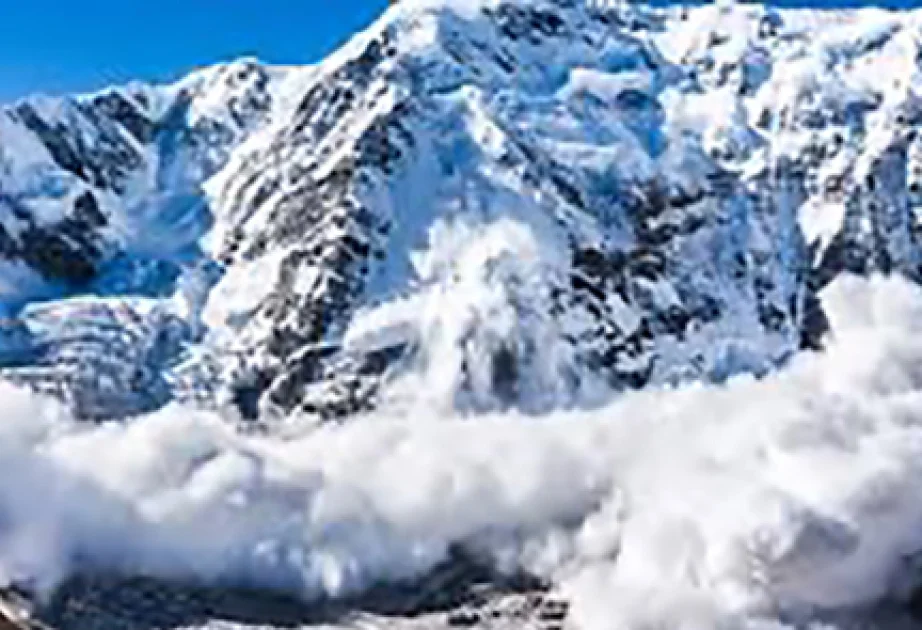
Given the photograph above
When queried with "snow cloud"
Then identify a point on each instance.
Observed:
(680, 508)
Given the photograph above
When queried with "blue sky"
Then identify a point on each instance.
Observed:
(56, 46)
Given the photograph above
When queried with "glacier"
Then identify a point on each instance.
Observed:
(624, 298)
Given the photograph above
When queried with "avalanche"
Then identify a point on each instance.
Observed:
(743, 505)
(567, 286)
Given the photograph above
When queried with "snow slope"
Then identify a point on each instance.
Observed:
(102, 210)
(617, 198)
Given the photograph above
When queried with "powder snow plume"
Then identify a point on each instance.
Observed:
(755, 502)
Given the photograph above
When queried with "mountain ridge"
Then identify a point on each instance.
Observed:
(660, 203)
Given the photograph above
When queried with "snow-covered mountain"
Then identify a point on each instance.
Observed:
(103, 211)
(483, 204)
(474, 231)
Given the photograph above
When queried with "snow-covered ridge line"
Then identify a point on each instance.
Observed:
(102, 195)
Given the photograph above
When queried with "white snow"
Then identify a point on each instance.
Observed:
(745, 505)
(239, 292)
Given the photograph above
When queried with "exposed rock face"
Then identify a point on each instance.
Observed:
(633, 195)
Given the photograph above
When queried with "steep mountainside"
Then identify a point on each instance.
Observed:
(101, 214)
(482, 204)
